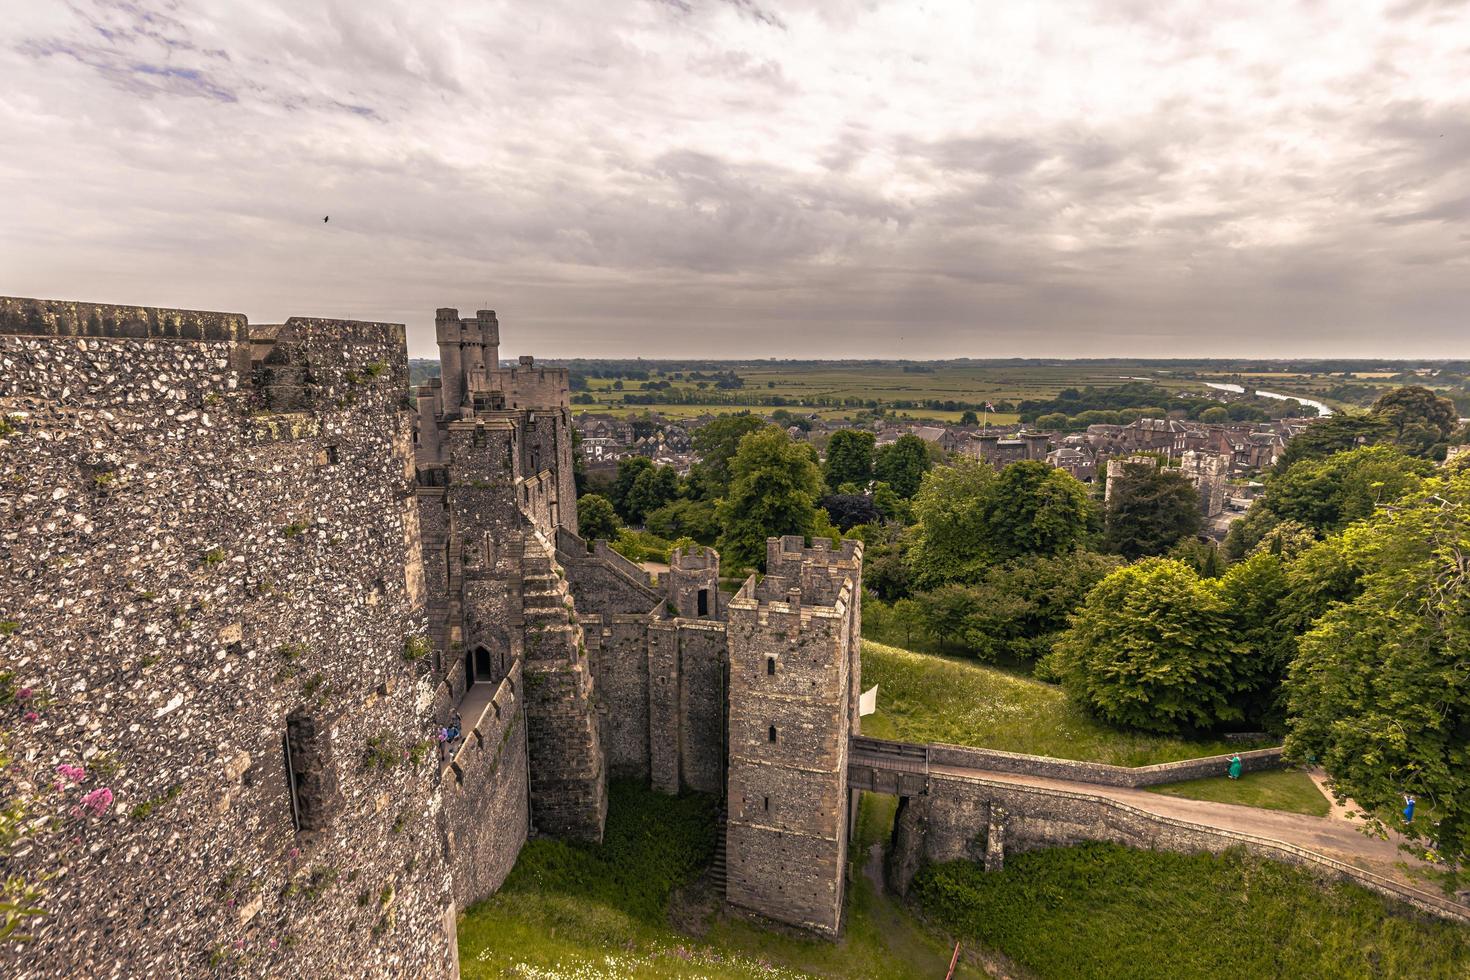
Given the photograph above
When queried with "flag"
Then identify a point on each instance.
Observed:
(868, 703)
(989, 407)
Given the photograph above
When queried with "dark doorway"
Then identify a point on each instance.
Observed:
(469, 669)
(482, 663)
(704, 602)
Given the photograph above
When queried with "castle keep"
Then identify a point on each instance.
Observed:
(247, 576)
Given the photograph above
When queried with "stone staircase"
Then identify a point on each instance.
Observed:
(568, 777)
(717, 872)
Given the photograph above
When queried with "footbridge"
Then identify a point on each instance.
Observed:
(959, 802)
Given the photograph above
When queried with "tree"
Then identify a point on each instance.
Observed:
(597, 519)
(1215, 416)
(1149, 510)
(1035, 509)
(1254, 590)
(1332, 435)
(715, 443)
(1054, 420)
(950, 538)
(1419, 421)
(1328, 494)
(848, 510)
(629, 469)
(969, 417)
(773, 491)
(685, 519)
(1152, 648)
(653, 488)
(1378, 691)
(1022, 606)
(850, 458)
(902, 465)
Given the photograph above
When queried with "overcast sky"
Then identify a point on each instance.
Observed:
(757, 178)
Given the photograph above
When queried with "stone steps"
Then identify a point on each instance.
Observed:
(717, 872)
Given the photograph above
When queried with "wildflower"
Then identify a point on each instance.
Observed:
(32, 717)
(74, 773)
(274, 944)
(24, 694)
(295, 852)
(98, 800)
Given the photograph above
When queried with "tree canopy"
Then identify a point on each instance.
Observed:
(1150, 509)
(849, 458)
(1152, 648)
(774, 488)
(597, 519)
(902, 465)
(716, 443)
(1380, 688)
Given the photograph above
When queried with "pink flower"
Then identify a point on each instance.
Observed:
(274, 944)
(24, 694)
(239, 944)
(98, 800)
(75, 773)
(31, 716)
(295, 852)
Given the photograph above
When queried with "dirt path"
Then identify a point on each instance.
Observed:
(1338, 835)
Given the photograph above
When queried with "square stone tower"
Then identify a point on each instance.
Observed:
(794, 675)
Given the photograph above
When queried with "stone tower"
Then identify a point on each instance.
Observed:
(793, 705)
(693, 583)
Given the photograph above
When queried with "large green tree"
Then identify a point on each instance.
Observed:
(902, 464)
(596, 518)
(1153, 648)
(773, 491)
(1332, 435)
(715, 443)
(1419, 421)
(969, 517)
(1380, 688)
(1330, 493)
(950, 537)
(1149, 510)
(849, 459)
(1035, 509)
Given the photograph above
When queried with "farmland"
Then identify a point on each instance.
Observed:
(943, 390)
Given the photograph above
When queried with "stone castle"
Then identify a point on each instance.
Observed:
(247, 577)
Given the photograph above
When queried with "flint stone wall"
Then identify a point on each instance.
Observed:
(179, 574)
(1258, 760)
(486, 811)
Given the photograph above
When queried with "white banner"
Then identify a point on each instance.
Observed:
(868, 703)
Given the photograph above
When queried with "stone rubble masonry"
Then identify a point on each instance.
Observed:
(792, 654)
(187, 576)
(486, 810)
(568, 773)
(994, 760)
(976, 819)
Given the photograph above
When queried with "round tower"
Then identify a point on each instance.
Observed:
(449, 334)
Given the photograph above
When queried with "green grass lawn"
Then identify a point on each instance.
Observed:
(1104, 911)
(570, 910)
(929, 698)
(1280, 789)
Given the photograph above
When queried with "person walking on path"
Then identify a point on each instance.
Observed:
(1408, 808)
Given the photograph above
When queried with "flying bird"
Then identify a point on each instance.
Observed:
(326, 219)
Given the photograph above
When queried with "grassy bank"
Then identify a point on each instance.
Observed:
(1103, 911)
(1282, 789)
(632, 907)
(928, 698)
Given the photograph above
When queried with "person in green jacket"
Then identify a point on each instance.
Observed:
(1235, 767)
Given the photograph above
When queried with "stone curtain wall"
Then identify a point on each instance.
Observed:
(485, 811)
(180, 573)
(960, 756)
(968, 818)
(617, 649)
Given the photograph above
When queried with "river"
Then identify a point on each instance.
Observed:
(1322, 410)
